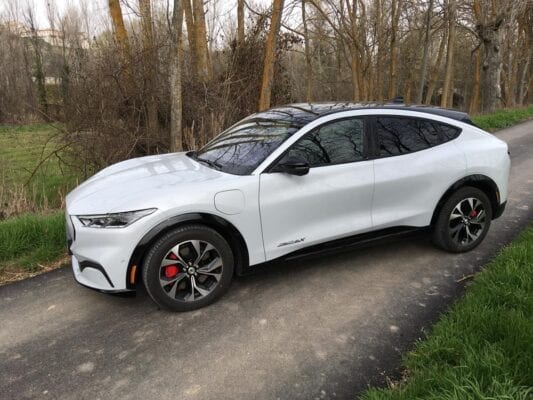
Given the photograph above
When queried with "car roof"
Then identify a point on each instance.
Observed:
(300, 114)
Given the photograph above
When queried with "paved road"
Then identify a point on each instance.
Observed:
(321, 328)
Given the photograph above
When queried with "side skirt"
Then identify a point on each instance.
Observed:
(341, 245)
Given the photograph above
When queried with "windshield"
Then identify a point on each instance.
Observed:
(244, 146)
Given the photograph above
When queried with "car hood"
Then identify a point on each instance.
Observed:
(140, 183)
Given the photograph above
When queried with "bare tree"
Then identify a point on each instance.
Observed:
(447, 89)
(176, 106)
(240, 21)
(270, 54)
(490, 16)
(308, 66)
(425, 57)
(395, 18)
(149, 64)
(119, 29)
(40, 79)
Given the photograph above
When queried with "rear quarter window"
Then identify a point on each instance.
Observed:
(404, 135)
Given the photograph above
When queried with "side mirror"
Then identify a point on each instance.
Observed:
(293, 165)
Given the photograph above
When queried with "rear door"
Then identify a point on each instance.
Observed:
(333, 200)
(416, 162)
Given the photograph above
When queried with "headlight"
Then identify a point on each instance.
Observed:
(115, 220)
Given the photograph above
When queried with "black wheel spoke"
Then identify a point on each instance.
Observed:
(190, 270)
(467, 221)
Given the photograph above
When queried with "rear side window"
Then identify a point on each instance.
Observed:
(338, 142)
(449, 132)
(403, 135)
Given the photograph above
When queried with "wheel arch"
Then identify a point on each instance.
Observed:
(219, 224)
(481, 182)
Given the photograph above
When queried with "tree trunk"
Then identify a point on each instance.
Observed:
(240, 21)
(490, 78)
(308, 66)
(379, 40)
(425, 57)
(362, 38)
(489, 31)
(354, 67)
(355, 62)
(395, 17)
(512, 72)
(176, 105)
(119, 29)
(38, 72)
(436, 71)
(149, 65)
(270, 55)
(474, 99)
(522, 90)
(200, 40)
(447, 88)
(530, 86)
(39, 76)
(189, 21)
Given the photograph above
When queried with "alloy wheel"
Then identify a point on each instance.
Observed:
(190, 270)
(467, 221)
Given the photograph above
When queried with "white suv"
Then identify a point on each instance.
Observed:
(279, 183)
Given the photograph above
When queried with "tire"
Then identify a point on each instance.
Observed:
(458, 228)
(174, 277)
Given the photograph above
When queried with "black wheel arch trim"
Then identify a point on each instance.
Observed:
(219, 224)
(479, 181)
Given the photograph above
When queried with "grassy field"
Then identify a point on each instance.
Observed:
(35, 190)
(28, 183)
(483, 347)
(503, 118)
(28, 241)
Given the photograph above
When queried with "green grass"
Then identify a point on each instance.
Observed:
(22, 148)
(483, 347)
(503, 118)
(31, 239)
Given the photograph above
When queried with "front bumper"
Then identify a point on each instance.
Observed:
(100, 257)
(93, 276)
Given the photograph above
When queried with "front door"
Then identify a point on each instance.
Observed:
(332, 201)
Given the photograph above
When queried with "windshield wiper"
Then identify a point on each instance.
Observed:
(212, 164)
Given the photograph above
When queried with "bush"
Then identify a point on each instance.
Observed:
(31, 239)
(503, 118)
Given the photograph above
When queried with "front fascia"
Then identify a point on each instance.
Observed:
(113, 247)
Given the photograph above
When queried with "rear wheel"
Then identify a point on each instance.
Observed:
(463, 221)
(188, 268)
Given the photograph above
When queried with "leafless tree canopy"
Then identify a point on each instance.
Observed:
(147, 84)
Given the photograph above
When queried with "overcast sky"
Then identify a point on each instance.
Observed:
(98, 14)
(16, 9)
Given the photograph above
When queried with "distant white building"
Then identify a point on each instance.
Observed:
(53, 37)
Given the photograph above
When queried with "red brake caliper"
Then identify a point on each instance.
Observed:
(473, 214)
(171, 270)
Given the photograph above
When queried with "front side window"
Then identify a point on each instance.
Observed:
(403, 135)
(334, 143)
(243, 147)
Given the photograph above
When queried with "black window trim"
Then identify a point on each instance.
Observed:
(374, 140)
(367, 143)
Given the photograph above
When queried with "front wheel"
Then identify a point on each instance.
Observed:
(188, 268)
(463, 221)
